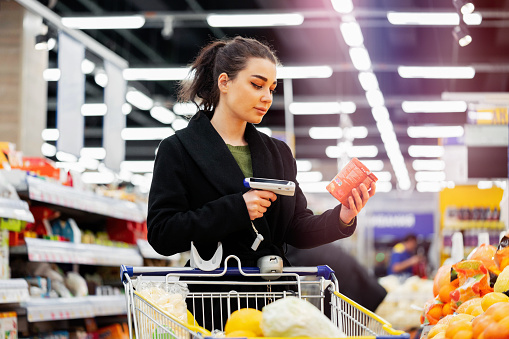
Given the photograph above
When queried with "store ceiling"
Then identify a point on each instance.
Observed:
(318, 41)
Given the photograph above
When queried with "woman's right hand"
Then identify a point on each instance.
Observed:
(257, 202)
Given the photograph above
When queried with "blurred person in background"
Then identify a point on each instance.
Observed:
(404, 259)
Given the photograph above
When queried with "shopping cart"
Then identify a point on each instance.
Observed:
(150, 321)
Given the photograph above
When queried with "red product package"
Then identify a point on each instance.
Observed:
(350, 177)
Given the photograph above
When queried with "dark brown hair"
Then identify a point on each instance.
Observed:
(228, 56)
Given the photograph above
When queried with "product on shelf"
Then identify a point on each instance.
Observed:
(126, 230)
(8, 325)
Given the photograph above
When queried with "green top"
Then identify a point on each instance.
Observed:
(242, 155)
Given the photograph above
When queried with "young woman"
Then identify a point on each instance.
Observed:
(197, 191)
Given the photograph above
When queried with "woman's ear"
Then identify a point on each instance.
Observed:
(222, 82)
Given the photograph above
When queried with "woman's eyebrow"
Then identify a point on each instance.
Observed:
(263, 78)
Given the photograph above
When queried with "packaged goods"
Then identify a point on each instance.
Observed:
(350, 177)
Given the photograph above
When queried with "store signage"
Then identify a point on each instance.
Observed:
(488, 115)
(399, 224)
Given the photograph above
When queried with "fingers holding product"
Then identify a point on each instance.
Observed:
(257, 202)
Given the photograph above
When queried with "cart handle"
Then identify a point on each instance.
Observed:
(133, 271)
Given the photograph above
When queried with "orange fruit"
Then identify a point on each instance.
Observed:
(465, 334)
(477, 310)
(447, 309)
(440, 335)
(434, 313)
(463, 307)
(498, 311)
(245, 319)
(481, 323)
(496, 331)
(446, 320)
(445, 293)
(457, 326)
(493, 298)
(443, 277)
(438, 328)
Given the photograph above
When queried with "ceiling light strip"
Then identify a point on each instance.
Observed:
(362, 62)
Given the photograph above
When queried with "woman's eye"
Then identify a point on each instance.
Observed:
(256, 86)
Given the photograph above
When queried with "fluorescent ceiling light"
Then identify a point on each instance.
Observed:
(48, 150)
(162, 114)
(428, 186)
(313, 176)
(373, 165)
(434, 106)
(70, 166)
(265, 130)
(473, 115)
(484, 184)
(348, 107)
(352, 151)
(435, 131)
(380, 113)
(156, 74)
(304, 165)
(438, 72)
(51, 74)
(88, 110)
(126, 108)
(93, 152)
(146, 133)
(472, 19)
(304, 72)
(428, 165)
(383, 186)
(185, 108)
(255, 20)
(105, 22)
(362, 151)
(426, 151)
(101, 78)
(426, 18)
(352, 33)
(87, 66)
(50, 134)
(375, 98)
(356, 132)
(368, 81)
(179, 124)
(332, 107)
(342, 6)
(100, 178)
(325, 132)
(383, 176)
(137, 166)
(66, 157)
(464, 6)
(385, 127)
(89, 163)
(314, 187)
(430, 176)
(360, 58)
(138, 99)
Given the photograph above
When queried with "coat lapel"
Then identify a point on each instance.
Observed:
(211, 154)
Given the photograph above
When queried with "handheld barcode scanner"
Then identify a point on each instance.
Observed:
(282, 187)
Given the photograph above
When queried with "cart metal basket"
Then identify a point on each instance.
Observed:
(309, 283)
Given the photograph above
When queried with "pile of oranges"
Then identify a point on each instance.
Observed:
(493, 323)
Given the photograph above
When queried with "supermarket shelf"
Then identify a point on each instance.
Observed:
(474, 224)
(55, 194)
(13, 291)
(42, 250)
(147, 251)
(15, 209)
(74, 308)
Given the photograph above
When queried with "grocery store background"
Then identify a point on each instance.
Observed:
(417, 90)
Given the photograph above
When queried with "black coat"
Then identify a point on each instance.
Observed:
(196, 195)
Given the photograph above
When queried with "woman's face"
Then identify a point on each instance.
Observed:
(248, 97)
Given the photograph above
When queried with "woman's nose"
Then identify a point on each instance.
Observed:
(267, 96)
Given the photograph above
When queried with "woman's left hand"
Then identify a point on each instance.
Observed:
(357, 201)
